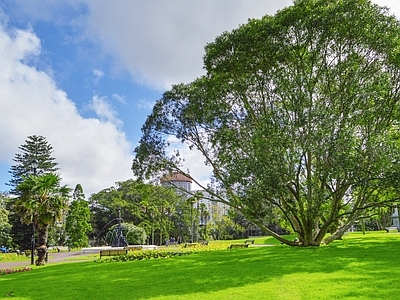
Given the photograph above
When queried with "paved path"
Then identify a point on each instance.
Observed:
(65, 257)
(53, 258)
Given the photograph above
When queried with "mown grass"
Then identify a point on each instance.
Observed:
(358, 267)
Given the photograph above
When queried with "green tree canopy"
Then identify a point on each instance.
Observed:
(5, 226)
(297, 112)
(145, 205)
(78, 224)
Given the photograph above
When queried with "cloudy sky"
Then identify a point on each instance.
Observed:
(86, 73)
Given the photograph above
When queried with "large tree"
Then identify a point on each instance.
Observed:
(41, 202)
(298, 112)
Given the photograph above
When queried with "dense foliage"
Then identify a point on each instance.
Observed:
(78, 224)
(5, 226)
(153, 208)
(38, 206)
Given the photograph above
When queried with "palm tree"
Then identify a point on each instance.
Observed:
(194, 219)
(204, 214)
(41, 203)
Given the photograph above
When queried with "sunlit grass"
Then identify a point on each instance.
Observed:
(358, 267)
(9, 257)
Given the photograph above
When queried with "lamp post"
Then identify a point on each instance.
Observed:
(34, 165)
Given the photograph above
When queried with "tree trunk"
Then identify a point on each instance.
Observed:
(41, 249)
(308, 239)
(41, 255)
(340, 231)
(275, 235)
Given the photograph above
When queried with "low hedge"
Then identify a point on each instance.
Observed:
(142, 255)
(162, 253)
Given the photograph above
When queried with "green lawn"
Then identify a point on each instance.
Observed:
(358, 267)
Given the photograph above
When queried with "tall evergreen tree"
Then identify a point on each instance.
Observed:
(37, 148)
(78, 220)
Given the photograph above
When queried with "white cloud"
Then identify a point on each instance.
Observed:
(104, 110)
(119, 98)
(194, 162)
(145, 104)
(98, 74)
(159, 42)
(92, 152)
(162, 42)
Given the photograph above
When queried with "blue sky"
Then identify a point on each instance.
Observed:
(86, 73)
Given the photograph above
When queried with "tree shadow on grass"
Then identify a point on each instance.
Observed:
(209, 272)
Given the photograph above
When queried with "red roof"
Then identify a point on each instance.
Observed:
(175, 177)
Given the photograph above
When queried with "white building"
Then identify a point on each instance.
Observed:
(180, 182)
(183, 183)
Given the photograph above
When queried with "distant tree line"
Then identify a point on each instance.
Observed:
(38, 204)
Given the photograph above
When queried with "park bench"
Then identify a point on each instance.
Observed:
(172, 244)
(27, 253)
(133, 247)
(61, 248)
(238, 246)
(249, 241)
(190, 245)
(113, 252)
(392, 228)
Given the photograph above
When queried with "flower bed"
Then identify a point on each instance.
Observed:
(164, 253)
(142, 255)
(11, 271)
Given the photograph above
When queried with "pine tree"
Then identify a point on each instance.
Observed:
(78, 193)
(36, 147)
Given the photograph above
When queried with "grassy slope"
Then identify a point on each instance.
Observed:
(359, 267)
